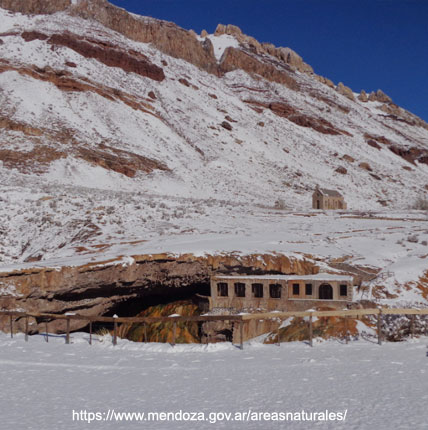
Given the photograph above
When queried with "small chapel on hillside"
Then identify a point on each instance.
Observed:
(322, 198)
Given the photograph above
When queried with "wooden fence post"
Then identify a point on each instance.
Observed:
(26, 329)
(379, 327)
(45, 318)
(174, 332)
(412, 326)
(67, 335)
(426, 325)
(346, 330)
(115, 333)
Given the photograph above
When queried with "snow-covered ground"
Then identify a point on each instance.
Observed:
(205, 160)
(381, 387)
(94, 227)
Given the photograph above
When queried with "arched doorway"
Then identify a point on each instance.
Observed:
(326, 292)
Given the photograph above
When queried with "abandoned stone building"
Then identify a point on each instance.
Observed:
(323, 198)
(280, 292)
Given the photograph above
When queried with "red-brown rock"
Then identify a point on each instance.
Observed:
(373, 144)
(341, 170)
(226, 125)
(105, 53)
(184, 82)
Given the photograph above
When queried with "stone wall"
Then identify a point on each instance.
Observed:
(287, 302)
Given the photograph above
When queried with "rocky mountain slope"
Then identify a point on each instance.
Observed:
(124, 135)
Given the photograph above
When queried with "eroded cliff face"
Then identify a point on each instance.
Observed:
(285, 55)
(234, 59)
(273, 63)
(102, 288)
(170, 39)
(35, 6)
(165, 36)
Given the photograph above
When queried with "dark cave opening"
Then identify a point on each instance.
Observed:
(131, 305)
(160, 295)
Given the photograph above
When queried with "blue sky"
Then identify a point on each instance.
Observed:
(366, 44)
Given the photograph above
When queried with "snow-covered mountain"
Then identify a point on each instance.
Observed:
(119, 129)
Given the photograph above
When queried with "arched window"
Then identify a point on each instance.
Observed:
(326, 292)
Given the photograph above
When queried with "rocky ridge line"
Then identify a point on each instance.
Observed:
(179, 43)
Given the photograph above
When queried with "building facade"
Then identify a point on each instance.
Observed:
(323, 198)
(280, 292)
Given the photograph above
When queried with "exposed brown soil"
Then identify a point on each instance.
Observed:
(35, 161)
(11, 125)
(423, 285)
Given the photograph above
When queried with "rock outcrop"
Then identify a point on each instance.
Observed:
(345, 91)
(287, 111)
(234, 59)
(106, 53)
(399, 114)
(175, 41)
(35, 6)
(37, 160)
(100, 288)
(379, 96)
(166, 36)
(342, 170)
(363, 96)
(285, 55)
(118, 160)
(325, 81)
